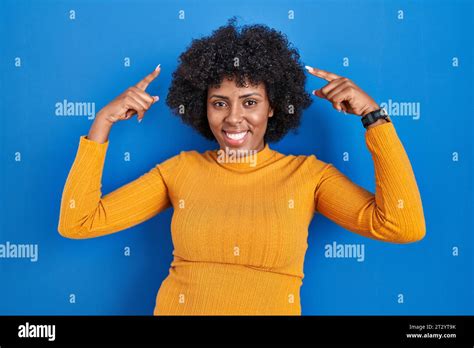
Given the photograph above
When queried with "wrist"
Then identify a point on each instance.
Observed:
(374, 116)
(103, 120)
(376, 123)
(369, 109)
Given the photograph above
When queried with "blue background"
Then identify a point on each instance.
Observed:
(406, 60)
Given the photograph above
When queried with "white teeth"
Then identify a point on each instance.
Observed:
(236, 136)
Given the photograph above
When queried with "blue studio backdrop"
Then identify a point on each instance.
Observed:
(413, 57)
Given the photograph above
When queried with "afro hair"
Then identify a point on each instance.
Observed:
(257, 54)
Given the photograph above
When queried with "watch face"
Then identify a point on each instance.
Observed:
(383, 112)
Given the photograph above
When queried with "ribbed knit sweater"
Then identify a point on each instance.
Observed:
(239, 229)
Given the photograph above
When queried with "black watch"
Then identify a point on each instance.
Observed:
(373, 116)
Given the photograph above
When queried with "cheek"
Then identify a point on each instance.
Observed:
(258, 120)
(214, 118)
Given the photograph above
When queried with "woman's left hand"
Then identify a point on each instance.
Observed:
(344, 94)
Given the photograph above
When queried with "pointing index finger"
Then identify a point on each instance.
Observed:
(328, 76)
(143, 84)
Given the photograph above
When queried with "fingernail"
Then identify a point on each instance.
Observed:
(308, 67)
(156, 98)
(139, 120)
(158, 66)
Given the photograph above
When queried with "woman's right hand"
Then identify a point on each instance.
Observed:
(134, 100)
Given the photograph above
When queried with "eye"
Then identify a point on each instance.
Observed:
(251, 100)
(215, 104)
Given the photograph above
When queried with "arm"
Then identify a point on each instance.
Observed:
(85, 213)
(395, 212)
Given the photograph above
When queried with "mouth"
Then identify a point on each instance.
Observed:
(235, 138)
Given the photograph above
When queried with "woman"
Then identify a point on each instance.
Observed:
(242, 211)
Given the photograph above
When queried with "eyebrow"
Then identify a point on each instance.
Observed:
(242, 96)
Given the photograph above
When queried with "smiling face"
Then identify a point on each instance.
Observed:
(238, 116)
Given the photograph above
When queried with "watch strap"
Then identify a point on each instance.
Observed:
(374, 116)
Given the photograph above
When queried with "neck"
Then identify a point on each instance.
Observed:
(243, 159)
(258, 148)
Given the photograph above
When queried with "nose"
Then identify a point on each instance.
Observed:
(236, 114)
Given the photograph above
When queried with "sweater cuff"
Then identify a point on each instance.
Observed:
(91, 151)
(383, 136)
(91, 145)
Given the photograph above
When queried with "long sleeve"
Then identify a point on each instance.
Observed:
(84, 213)
(395, 213)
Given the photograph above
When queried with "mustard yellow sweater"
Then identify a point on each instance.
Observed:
(240, 229)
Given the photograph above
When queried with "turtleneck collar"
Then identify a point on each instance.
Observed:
(242, 161)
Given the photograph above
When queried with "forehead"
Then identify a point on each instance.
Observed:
(230, 86)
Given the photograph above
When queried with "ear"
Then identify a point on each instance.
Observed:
(271, 113)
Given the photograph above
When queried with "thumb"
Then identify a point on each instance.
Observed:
(155, 99)
(337, 106)
(130, 113)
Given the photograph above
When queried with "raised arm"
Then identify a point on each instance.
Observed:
(84, 212)
(395, 213)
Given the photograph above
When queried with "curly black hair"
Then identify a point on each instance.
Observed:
(258, 54)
